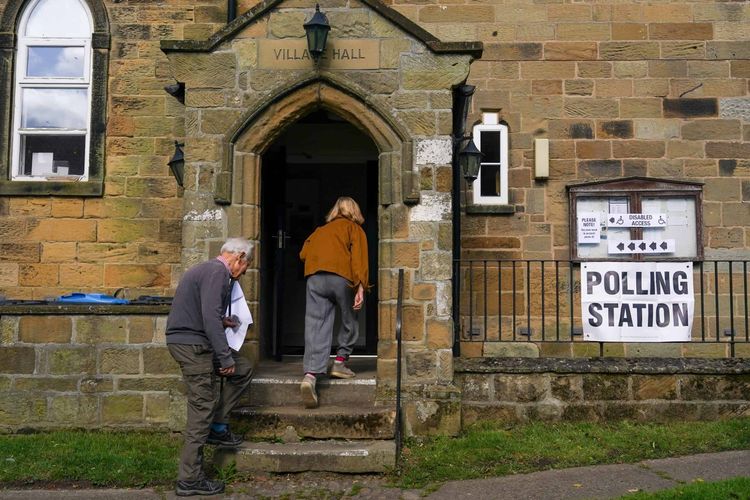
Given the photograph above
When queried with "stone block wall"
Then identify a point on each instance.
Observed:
(88, 371)
(602, 389)
(132, 236)
(655, 89)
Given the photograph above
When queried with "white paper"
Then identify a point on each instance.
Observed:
(42, 163)
(589, 229)
(641, 246)
(236, 335)
(637, 220)
(637, 301)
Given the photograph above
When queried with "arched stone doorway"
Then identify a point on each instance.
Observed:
(262, 178)
(316, 160)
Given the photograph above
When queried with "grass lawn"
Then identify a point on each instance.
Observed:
(738, 489)
(135, 459)
(89, 458)
(490, 450)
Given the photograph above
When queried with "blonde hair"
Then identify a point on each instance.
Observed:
(346, 207)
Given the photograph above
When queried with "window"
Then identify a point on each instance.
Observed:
(53, 140)
(52, 92)
(491, 138)
(636, 219)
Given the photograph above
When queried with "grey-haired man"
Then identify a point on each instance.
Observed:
(196, 340)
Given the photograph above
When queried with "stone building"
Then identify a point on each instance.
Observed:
(576, 106)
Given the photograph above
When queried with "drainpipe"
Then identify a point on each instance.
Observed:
(231, 10)
(461, 104)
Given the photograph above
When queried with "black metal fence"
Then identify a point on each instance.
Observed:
(540, 301)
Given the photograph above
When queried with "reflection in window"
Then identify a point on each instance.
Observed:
(58, 62)
(52, 91)
(491, 186)
(54, 108)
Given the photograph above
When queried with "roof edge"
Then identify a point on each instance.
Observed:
(431, 41)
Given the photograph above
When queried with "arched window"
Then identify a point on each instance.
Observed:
(53, 140)
(52, 92)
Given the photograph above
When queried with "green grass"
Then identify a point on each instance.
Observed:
(492, 450)
(737, 489)
(97, 458)
(135, 459)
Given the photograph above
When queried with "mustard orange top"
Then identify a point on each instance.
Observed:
(339, 247)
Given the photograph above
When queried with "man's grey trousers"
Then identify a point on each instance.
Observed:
(207, 403)
(325, 291)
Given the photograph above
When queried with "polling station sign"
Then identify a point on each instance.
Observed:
(637, 301)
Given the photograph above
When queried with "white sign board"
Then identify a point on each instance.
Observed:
(640, 246)
(637, 301)
(636, 220)
(589, 230)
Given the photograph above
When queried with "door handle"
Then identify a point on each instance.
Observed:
(281, 238)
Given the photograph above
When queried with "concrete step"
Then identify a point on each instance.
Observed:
(325, 422)
(276, 390)
(329, 456)
(277, 384)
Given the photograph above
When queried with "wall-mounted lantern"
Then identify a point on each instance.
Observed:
(470, 159)
(177, 163)
(317, 29)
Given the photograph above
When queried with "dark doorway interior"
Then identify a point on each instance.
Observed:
(318, 159)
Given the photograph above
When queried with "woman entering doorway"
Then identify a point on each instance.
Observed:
(336, 272)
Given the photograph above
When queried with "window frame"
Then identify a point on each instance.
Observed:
(502, 199)
(12, 21)
(635, 189)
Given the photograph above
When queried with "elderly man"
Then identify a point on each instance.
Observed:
(197, 341)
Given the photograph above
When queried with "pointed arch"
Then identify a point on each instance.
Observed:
(253, 133)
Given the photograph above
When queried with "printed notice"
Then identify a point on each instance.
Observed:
(636, 220)
(637, 301)
(641, 246)
(589, 230)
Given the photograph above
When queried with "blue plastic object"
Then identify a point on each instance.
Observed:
(91, 298)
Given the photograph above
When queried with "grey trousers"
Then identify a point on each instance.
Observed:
(326, 291)
(207, 402)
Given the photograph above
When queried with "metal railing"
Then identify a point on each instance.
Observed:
(540, 301)
(399, 306)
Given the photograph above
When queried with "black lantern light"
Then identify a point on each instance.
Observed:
(470, 159)
(317, 29)
(177, 163)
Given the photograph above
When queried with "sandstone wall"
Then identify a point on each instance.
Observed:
(654, 89)
(88, 371)
(603, 389)
(131, 237)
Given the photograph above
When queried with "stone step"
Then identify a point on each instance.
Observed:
(325, 422)
(330, 456)
(280, 390)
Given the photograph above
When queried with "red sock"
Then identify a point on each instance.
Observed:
(340, 359)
